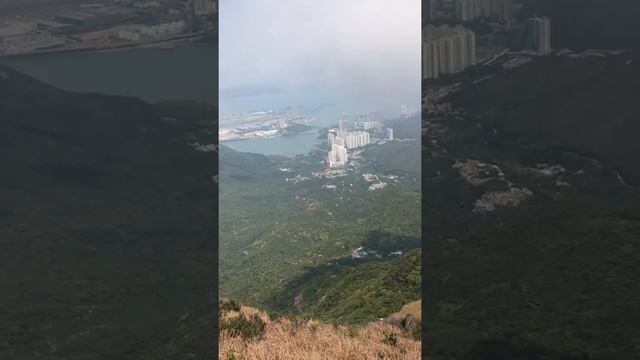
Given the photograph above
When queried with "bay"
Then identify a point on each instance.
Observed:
(284, 145)
(185, 73)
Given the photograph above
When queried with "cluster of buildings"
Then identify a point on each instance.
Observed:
(340, 140)
(338, 156)
(469, 10)
(372, 119)
(349, 139)
(499, 10)
(447, 50)
(538, 34)
(104, 24)
(140, 33)
(354, 131)
(450, 49)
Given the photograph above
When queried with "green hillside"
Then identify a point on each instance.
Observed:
(395, 156)
(107, 224)
(274, 231)
(585, 105)
(554, 274)
(355, 294)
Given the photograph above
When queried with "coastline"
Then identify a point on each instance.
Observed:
(289, 146)
(197, 38)
(309, 131)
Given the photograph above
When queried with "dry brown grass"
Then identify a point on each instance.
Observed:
(285, 339)
(413, 308)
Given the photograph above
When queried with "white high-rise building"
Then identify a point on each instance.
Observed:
(331, 138)
(544, 36)
(355, 139)
(366, 125)
(337, 157)
(389, 133)
(332, 156)
(447, 50)
(538, 34)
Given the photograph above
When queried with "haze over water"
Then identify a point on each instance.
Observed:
(310, 54)
(319, 51)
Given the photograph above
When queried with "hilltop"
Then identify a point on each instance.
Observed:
(248, 333)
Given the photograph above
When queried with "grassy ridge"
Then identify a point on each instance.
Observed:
(249, 332)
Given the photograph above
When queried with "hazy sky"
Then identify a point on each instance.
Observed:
(364, 51)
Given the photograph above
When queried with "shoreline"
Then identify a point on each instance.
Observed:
(199, 38)
(273, 137)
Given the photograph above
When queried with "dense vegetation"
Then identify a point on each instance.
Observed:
(276, 232)
(355, 295)
(586, 106)
(395, 157)
(107, 226)
(556, 275)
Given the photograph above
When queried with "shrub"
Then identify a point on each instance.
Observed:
(229, 305)
(391, 339)
(276, 315)
(353, 331)
(313, 327)
(246, 328)
(417, 332)
(296, 324)
(231, 355)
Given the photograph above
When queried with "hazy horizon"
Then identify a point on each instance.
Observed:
(362, 52)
